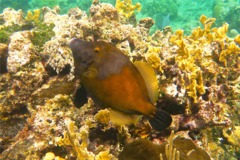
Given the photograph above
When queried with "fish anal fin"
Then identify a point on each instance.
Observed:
(120, 118)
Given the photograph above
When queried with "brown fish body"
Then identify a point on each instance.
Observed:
(110, 78)
(120, 91)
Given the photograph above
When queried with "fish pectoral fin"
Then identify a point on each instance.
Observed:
(120, 118)
(160, 120)
(150, 79)
(91, 72)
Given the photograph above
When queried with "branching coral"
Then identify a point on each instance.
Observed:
(126, 7)
(33, 16)
(190, 54)
(73, 138)
(153, 58)
(186, 60)
(171, 152)
(231, 49)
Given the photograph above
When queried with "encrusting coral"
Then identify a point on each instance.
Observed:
(10, 17)
(198, 76)
(175, 148)
(21, 50)
(3, 57)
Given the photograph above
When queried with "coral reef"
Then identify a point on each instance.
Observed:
(6, 32)
(42, 33)
(20, 51)
(10, 17)
(232, 135)
(198, 76)
(11, 22)
(3, 58)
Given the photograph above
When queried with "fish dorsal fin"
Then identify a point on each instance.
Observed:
(150, 79)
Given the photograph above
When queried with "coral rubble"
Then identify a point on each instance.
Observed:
(198, 76)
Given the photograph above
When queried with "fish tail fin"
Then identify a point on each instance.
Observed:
(160, 120)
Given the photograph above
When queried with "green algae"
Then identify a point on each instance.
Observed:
(41, 34)
(7, 31)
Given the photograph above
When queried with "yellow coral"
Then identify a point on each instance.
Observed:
(170, 151)
(72, 137)
(205, 33)
(104, 155)
(177, 39)
(221, 32)
(231, 49)
(192, 91)
(232, 135)
(33, 16)
(187, 55)
(200, 86)
(103, 116)
(51, 156)
(126, 8)
(215, 150)
(237, 39)
(207, 23)
(190, 55)
(153, 58)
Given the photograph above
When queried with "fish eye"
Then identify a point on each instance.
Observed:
(96, 49)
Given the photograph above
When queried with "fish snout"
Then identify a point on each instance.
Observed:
(73, 43)
(77, 46)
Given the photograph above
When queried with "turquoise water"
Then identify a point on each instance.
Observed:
(179, 14)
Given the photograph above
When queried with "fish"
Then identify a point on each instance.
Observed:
(162, 21)
(113, 81)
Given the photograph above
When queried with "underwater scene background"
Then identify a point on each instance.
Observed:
(193, 46)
